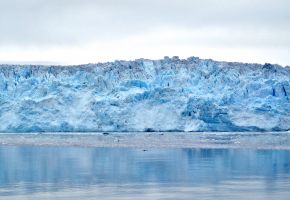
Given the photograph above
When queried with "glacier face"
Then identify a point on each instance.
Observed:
(171, 94)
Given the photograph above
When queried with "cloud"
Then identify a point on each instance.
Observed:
(69, 22)
(40, 25)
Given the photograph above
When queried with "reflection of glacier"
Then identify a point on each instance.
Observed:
(82, 166)
(161, 95)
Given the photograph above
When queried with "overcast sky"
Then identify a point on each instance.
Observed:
(89, 31)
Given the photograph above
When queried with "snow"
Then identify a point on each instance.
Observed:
(171, 94)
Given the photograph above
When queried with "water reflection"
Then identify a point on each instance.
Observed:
(49, 169)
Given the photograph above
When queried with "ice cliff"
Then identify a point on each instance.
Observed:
(171, 94)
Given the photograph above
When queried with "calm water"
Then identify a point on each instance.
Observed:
(130, 173)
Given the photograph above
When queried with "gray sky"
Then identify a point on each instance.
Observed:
(83, 31)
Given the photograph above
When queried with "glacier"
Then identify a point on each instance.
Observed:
(169, 94)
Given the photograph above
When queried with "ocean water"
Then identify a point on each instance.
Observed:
(146, 172)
